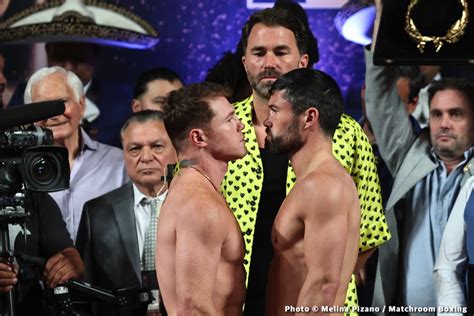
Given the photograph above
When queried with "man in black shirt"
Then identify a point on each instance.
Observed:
(46, 237)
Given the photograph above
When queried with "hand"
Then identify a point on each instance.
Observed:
(8, 277)
(360, 276)
(59, 269)
(359, 269)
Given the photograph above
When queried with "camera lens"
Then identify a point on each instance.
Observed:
(43, 170)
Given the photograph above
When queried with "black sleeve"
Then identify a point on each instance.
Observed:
(83, 243)
(47, 222)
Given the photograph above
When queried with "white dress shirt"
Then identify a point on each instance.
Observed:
(452, 260)
(142, 216)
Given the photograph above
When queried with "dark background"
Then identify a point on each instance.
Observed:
(194, 34)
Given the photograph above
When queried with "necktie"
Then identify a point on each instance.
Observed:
(150, 236)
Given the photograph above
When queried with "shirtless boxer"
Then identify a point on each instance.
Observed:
(316, 231)
(199, 257)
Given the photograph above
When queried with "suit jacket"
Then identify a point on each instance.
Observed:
(108, 244)
(407, 155)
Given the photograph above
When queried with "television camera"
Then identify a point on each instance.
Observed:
(28, 162)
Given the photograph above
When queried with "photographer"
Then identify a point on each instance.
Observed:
(46, 237)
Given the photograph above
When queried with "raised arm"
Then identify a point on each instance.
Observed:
(326, 230)
(387, 115)
(200, 235)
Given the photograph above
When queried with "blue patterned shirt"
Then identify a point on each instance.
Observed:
(431, 201)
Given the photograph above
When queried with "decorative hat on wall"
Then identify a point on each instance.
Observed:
(88, 21)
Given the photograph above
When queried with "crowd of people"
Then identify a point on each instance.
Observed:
(271, 205)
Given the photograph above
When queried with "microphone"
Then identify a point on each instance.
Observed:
(30, 113)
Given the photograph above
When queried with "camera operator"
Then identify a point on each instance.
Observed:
(46, 237)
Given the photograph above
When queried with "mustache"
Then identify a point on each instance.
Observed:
(269, 73)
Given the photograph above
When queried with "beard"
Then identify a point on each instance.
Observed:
(262, 88)
(287, 143)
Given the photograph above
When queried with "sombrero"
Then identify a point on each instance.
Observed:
(90, 21)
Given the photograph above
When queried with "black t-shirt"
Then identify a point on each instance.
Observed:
(46, 235)
(275, 167)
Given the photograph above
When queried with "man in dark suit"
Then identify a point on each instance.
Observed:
(114, 229)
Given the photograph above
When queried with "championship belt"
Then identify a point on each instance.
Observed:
(424, 32)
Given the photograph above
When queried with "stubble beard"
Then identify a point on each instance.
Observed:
(452, 151)
(262, 89)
